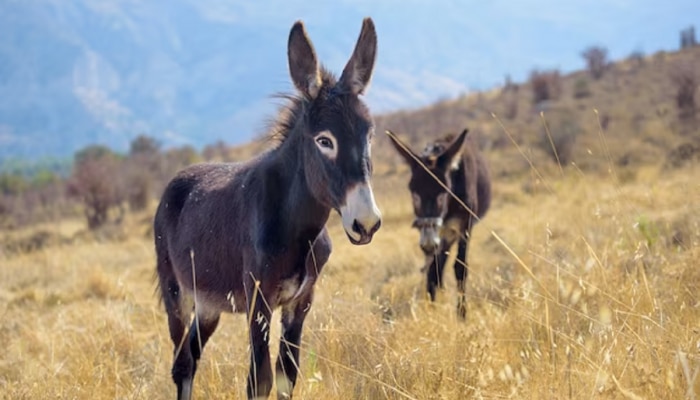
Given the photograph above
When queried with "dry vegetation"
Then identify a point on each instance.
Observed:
(637, 102)
(584, 279)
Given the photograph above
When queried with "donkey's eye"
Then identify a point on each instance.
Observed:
(325, 142)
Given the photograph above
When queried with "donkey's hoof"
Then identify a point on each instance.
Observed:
(462, 311)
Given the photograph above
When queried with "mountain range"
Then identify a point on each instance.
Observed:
(188, 72)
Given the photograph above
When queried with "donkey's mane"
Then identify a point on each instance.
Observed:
(293, 109)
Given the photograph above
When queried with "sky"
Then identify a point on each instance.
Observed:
(197, 71)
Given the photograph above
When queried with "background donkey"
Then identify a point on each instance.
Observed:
(250, 237)
(455, 164)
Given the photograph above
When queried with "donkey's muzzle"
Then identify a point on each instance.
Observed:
(430, 245)
(360, 215)
(429, 234)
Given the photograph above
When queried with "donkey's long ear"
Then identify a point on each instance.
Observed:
(303, 64)
(402, 149)
(453, 151)
(358, 71)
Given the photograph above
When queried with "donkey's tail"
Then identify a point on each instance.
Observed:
(168, 288)
(165, 224)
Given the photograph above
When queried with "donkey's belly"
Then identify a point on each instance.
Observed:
(287, 292)
(231, 302)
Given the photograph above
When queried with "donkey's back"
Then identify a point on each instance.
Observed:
(478, 179)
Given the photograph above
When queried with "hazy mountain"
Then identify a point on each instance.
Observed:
(75, 72)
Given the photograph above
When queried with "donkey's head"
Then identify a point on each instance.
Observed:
(337, 129)
(430, 170)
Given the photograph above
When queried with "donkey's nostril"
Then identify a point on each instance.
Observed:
(357, 228)
(360, 228)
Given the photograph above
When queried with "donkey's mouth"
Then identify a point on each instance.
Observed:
(362, 241)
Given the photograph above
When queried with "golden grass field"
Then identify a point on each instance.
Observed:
(581, 285)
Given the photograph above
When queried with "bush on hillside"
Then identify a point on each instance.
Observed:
(686, 80)
(581, 88)
(546, 85)
(558, 137)
(94, 183)
(596, 60)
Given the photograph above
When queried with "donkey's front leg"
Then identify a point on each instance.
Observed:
(260, 375)
(435, 268)
(287, 366)
(293, 316)
(461, 274)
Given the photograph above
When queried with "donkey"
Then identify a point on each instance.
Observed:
(455, 164)
(250, 237)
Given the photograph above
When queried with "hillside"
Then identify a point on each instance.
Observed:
(626, 119)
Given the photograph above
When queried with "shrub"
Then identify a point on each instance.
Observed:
(509, 86)
(138, 188)
(581, 88)
(683, 154)
(511, 107)
(144, 145)
(686, 79)
(217, 151)
(636, 58)
(95, 181)
(558, 137)
(141, 171)
(596, 60)
(688, 38)
(546, 85)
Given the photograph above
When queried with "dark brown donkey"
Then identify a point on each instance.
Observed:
(455, 164)
(251, 237)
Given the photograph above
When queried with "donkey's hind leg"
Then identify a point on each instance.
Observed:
(201, 330)
(188, 348)
(178, 318)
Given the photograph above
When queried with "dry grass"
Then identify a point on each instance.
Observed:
(580, 287)
(583, 279)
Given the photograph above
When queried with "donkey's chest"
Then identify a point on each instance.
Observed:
(284, 276)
